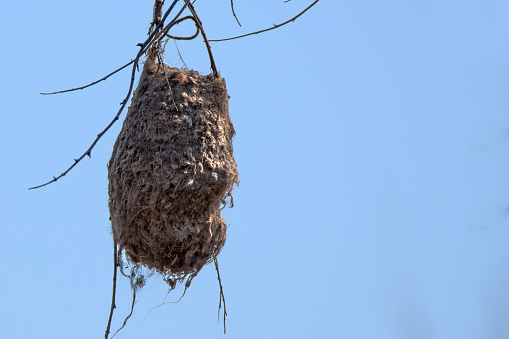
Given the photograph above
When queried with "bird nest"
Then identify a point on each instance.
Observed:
(172, 171)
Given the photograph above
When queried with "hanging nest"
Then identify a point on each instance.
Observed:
(172, 171)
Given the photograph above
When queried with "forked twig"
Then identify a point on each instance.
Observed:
(154, 36)
(268, 29)
(222, 300)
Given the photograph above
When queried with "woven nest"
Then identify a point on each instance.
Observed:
(171, 171)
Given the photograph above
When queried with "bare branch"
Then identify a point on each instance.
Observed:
(90, 84)
(235, 15)
(222, 300)
(268, 29)
(188, 17)
(89, 150)
(113, 306)
(130, 314)
(209, 50)
(154, 36)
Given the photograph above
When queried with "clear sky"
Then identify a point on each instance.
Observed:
(373, 150)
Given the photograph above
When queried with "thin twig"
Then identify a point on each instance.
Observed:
(130, 314)
(209, 50)
(88, 152)
(113, 306)
(157, 7)
(90, 84)
(191, 37)
(235, 15)
(221, 297)
(154, 36)
(268, 29)
(178, 51)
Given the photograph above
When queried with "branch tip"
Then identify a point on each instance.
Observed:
(268, 29)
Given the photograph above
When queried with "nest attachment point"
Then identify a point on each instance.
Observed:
(172, 170)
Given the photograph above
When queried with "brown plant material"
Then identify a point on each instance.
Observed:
(171, 172)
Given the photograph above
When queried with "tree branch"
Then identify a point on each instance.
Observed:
(154, 36)
(90, 84)
(209, 50)
(268, 29)
(222, 300)
(188, 17)
(235, 15)
(113, 306)
(130, 314)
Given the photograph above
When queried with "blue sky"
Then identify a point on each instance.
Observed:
(372, 144)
